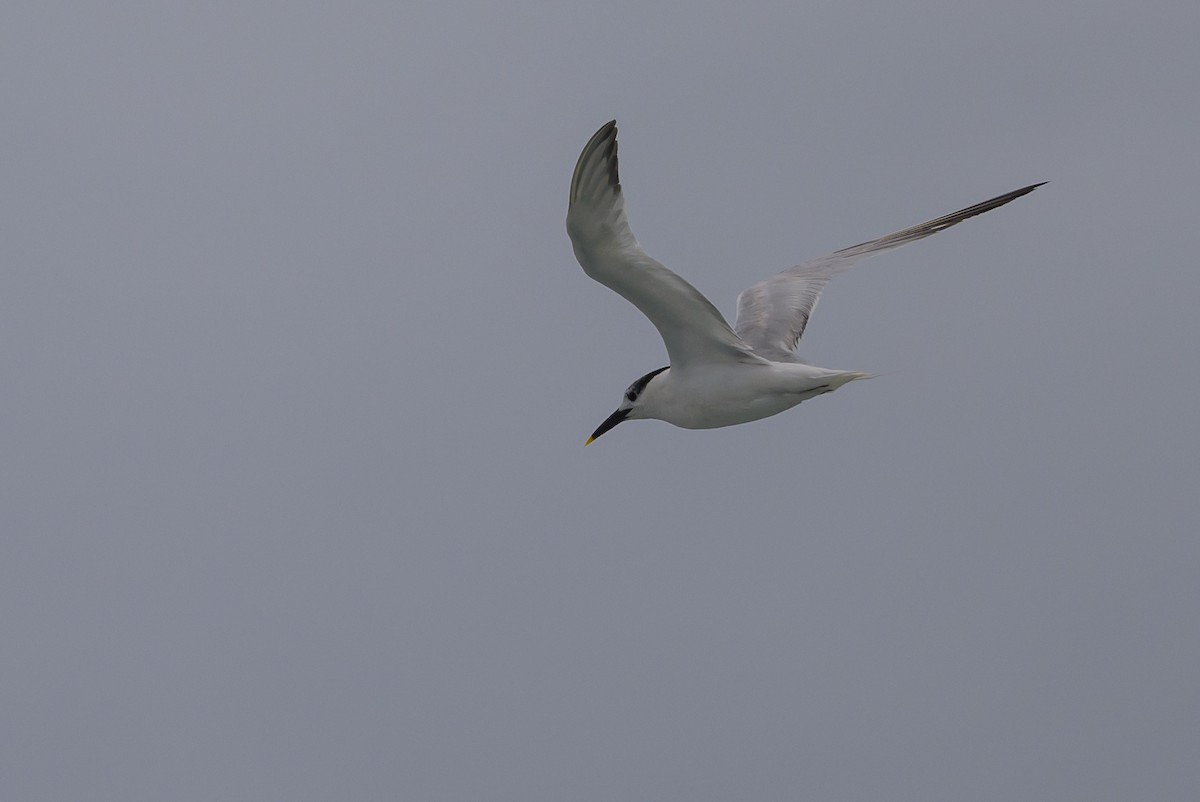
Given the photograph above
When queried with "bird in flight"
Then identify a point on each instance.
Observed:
(718, 376)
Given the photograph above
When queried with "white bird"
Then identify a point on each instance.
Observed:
(718, 376)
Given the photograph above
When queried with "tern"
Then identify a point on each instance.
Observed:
(718, 375)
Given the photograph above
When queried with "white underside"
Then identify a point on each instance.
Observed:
(729, 394)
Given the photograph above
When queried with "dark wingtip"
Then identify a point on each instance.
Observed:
(979, 208)
(605, 137)
(1011, 196)
(614, 175)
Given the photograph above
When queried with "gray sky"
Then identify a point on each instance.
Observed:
(298, 366)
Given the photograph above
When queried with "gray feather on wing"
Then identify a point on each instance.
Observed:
(772, 315)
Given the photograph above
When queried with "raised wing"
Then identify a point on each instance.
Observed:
(691, 327)
(772, 314)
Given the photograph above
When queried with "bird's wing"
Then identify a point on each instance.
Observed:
(772, 314)
(691, 327)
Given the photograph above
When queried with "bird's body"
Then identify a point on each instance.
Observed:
(728, 394)
(719, 375)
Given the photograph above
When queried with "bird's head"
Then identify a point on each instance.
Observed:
(634, 404)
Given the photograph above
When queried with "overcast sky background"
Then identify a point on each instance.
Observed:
(298, 365)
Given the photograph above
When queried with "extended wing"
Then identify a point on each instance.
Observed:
(691, 327)
(772, 314)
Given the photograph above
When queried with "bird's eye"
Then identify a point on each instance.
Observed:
(631, 395)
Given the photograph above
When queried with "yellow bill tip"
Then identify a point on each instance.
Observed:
(589, 441)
